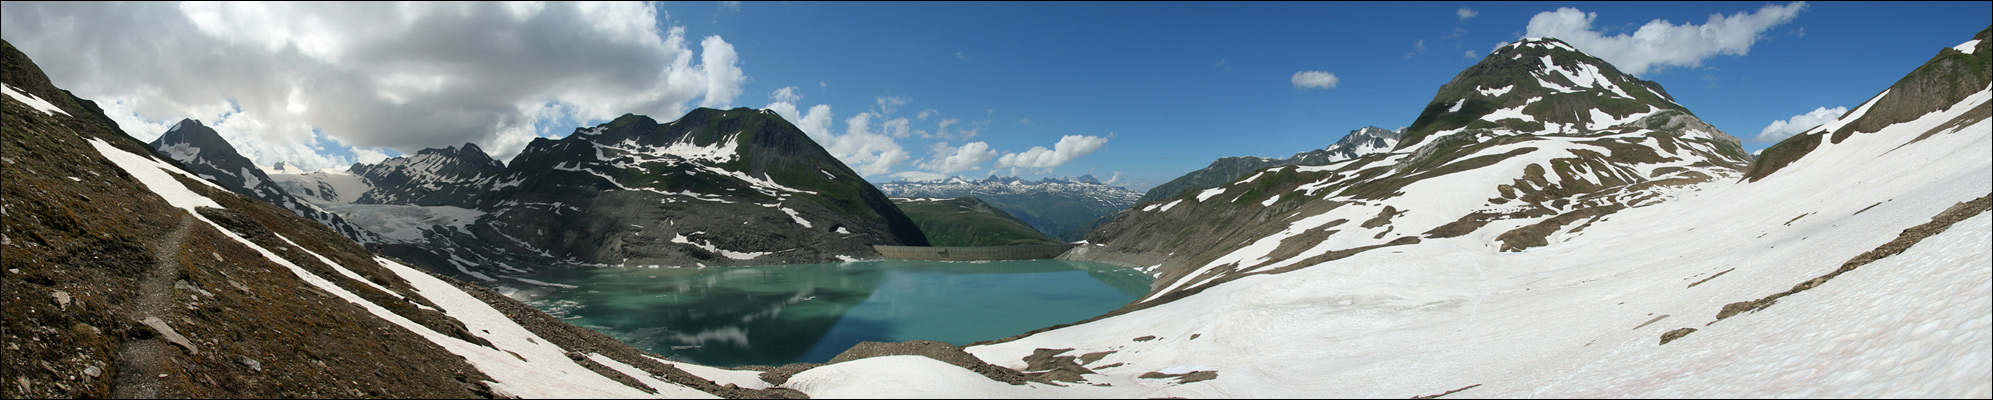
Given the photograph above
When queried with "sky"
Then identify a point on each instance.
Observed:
(1135, 94)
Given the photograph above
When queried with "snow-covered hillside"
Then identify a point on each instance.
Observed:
(1585, 316)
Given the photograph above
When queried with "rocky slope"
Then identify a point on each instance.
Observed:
(1060, 208)
(1947, 78)
(204, 152)
(1518, 151)
(129, 276)
(968, 221)
(1357, 143)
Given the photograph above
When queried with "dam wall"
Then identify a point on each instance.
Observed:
(973, 253)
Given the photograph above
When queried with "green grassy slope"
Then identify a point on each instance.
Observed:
(968, 221)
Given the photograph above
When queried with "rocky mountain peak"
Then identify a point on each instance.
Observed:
(189, 138)
(1544, 86)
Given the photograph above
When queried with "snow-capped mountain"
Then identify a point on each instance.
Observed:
(448, 176)
(1357, 143)
(1518, 151)
(1059, 208)
(715, 187)
(207, 154)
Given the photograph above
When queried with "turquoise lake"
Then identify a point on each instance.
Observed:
(773, 315)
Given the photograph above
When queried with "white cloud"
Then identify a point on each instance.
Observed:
(1779, 130)
(889, 104)
(1419, 46)
(1315, 79)
(730, 5)
(1470, 55)
(1069, 147)
(926, 113)
(787, 94)
(723, 76)
(1466, 13)
(865, 151)
(959, 55)
(949, 159)
(423, 76)
(1660, 43)
(896, 127)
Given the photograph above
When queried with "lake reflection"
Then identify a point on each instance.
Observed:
(772, 315)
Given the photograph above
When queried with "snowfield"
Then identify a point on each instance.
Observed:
(1583, 318)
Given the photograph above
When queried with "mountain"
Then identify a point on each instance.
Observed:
(1357, 143)
(1056, 207)
(968, 221)
(431, 177)
(1947, 78)
(129, 276)
(713, 188)
(1864, 257)
(1532, 143)
(204, 152)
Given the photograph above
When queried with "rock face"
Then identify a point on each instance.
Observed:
(715, 187)
(207, 154)
(1225, 170)
(1530, 144)
(1060, 208)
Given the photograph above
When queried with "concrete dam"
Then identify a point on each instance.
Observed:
(973, 253)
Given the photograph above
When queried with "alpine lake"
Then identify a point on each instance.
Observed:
(781, 314)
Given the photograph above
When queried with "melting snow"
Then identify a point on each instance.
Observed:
(1207, 193)
(1496, 92)
(708, 246)
(1967, 47)
(32, 101)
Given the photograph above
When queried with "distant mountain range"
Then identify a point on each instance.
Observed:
(632, 191)
(1060, 208)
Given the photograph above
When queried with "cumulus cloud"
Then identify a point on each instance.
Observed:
(950, 159)
(1660, 43)
(1466, 13)
(1069, 147)
(372, 76)
(1779, 130)
(1314, 80)
(865, 150)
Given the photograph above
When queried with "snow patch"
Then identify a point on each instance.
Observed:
(33, 102)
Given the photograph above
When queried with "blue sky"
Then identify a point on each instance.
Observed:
(1140, 91)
